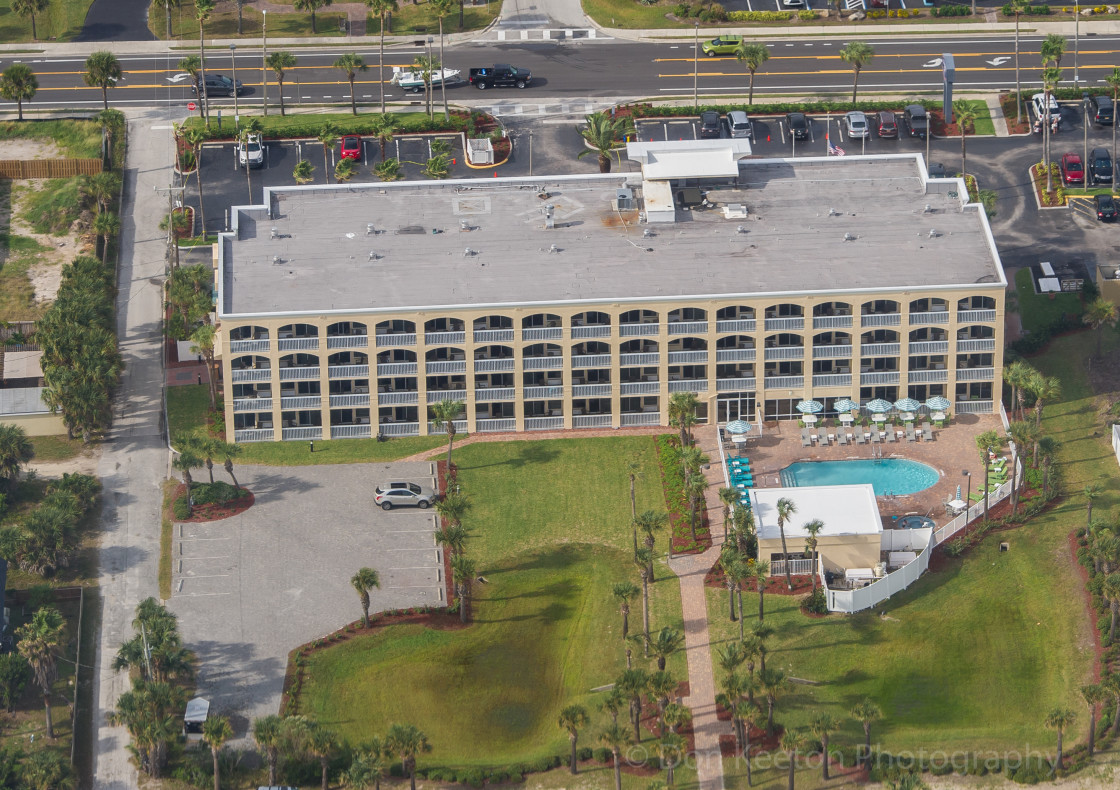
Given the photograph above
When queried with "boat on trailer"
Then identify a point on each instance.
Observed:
(413, 81)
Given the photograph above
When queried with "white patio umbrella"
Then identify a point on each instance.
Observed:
(938, 403)
(738, 427)
(879, 406)
(907, 404)
(809, 406)
(845, 404)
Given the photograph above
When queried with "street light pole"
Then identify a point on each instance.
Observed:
(1085, 134)
(696, 65)
(1076, 38)
(264, 57)
(968, 494)
(233, 57)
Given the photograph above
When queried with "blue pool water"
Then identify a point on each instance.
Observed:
(886, 475)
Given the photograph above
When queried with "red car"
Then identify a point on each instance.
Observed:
(351, 147)
(1072, 170)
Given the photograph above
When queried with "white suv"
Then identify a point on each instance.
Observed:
(403, 494)
(250, 153)
(1039, 103)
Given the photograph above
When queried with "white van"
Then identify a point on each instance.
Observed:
(740, 124)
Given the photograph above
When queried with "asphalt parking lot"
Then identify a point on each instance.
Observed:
(251, 588)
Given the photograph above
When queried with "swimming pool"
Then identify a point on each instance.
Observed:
(886, 475)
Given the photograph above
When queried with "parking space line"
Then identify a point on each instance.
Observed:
(426, 548)
(402, 531)
(399, 587)
(199, 595)
(212, 576)
(414, 568)
(192, 538)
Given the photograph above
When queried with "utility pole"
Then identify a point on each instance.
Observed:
(172, 245)
(264, 57)
(696, 65)
(147, 649)
(233, 59)
(1076, 38)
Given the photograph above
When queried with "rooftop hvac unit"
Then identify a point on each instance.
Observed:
(624, 199)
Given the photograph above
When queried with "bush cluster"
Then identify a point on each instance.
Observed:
(899, 13)
(951, 10)
(816, 602)
(50, 533)
(310, 126)
(760, 16)
(778, 108)
(1031, 10)
(705, 12)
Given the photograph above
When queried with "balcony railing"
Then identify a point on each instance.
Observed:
(974, 407)
(735, 354)
(543, 393)
(299, 374)
(252, 404)
(348, 371)
(494, 393)
(298, 343)
(879, 377)
(832, 380)
(350, 400)
(591, 421)
(493, 424)
(784, 382)
(929, 347)
(397, 398)
(880, 319)
(975, 374)
(396, 369)
(351, 431)
(735, 385)
(244, 346)
(435, 396)
(638, 330)
(927, 376)
(393, 339)
(687, 357)
(543, 423)
(832, 322)
(543, 333)
(933, 317)
(301, 402)
(436, 429)
(832, 352)
(796, 567)
(784, 352)
(306, 432)
(446, 366)
(542, 363)
(736, 325)
(687, 327)
(964, 346)
(773, 324)
(399, 428)
(594, 330)
(444, 338)
(880, 349)
(629, 360)
(640, 388)
(250, 374)
(689, 385)
(253, 435)
(492, 335)
(975, 316)
(591, 390)
(494, 365)
(348, 341)
(639, 418)
(591, 361)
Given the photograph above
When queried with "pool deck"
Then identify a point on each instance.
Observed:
(953, 450)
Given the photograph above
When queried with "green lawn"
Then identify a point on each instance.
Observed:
(1039, 310)
(550, 533)
(983, 124)
(76, 139)
(57, 448)
(187, 408)
(61, 21)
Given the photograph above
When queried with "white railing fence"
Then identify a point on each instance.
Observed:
(796, 567)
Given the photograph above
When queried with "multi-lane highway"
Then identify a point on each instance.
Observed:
(599, 69)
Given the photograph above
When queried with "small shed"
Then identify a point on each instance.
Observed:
(198, 709)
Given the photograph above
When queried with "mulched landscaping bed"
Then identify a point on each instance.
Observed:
(448, 580)
(1007, 103)
(211, 512)
(775, 585)
(939, 559)
(942, 129)
(1076, 543)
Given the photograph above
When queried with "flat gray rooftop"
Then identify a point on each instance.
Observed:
(792, 240)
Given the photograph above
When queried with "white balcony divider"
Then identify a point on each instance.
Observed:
(796, 567)
(735, 354)
(435, 396)
(932, 317)
(594, 330)
(542, 363)
(396, 369)
(929, 347)
(253, 435)
(973, 407)
(348, 371)
(305, 433)
(246, 346)
(444, 338)
(975, 374)
(252, 404)
(629, 360)
(639, 418)
(591, 361)
(772, 324)
(687, 327)
(784, 382)
(638, 330)
(494, 365)
(543, 333)
(640, 388)
(349, 400)
(397, 398)
(446, 366)
(494, 424)
(541, 393)
(735, 385)
(880, 349)
(975, 316)
(880, 319)
(689, 385)
(439, 430)
(492, 335)
(351, 431)
(832, 352)
(299, 374)
(832, 322)
(591, 390)
(348, 341)
(980, 344)
(736, 325)
(832, 380)
(927, 376)
(298, 343)
(687, 357)
(591, 421)
(250, 374)
(879, 377)
(543, 423)
(392, 340)
(399, 428)
(495, 393)
(301, 402)
(784, 352)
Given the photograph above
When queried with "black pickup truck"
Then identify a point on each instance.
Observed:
(500, 75)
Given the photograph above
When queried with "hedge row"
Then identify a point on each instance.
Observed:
(310, 126)
(951, 10)
(1031, 10)
(779, 108)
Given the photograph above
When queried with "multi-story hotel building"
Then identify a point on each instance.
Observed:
(586, 301)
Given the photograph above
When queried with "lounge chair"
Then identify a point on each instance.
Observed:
(860, 437)
(841, 437)
(910, 432)
(927, 431)
(873, 434)
(890, 433)
(806, 440)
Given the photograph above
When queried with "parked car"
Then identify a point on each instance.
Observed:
(793, 3)
(221, 85)
(917, 120)
(351, 147)
(723, 45)
(1100, 166)
(856, 123)
(1038, 101)
(500, 75)
(1106, 208)
(1102, 110)
(740, 124)
(1072, 170)
(403, 494)
(709, 124)
(936, 170)
(250, 152)
(888, 125)
(798, 125)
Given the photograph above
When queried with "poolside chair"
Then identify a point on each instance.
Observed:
(860, 437)
(806, 441)
(927, 432)
(841, 437)
(873, 434)
(890, 434)
(910, 432)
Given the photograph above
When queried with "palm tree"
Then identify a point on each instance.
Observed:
(268, 732)
(280, 62)
(1045, 388)
(786, 508)
(18, 84)
(729, 498)
(443, 8)
(367, 766)
(29, 8)
(632, 683)
(1048, 446)
(1017, 375)
(1018, 7)
(407, 741)
(202, 11)
(312, 6)
(1093, 694)
(177, 223)
(382, 8)
(773, 683)
(728, 560)
(216, 730)
(1110, 590)
(444, 413)
(463, 571)
(966, 114)
(350, 64)
(1091, 492)
(383, 128)
(322, 743)
(650, 521)
(102, 71)
(572, 718)
(327, 137)
(748, 714)
(1113, 81)
(1058, 719)
(196, 137)
(866, 712)
(185, 461)
(752, 56)
(986, 442)
(814, 528)
(615, 738)
(633, 472)
(1111, 685)
(624, 591)
(792, 742)
(451, 507)
(857, 55)
(202, 340)
(15, 451)
(1022, 434)
(760, 572)
(602, 134)
(822, 725)
(1051, 76)
(644, 561)
(39, 640)
(613, 703)
(695, 489)
(682, 414)
(670, 749)
(227, 451)
(664, 645)
(1100, 313)
(363, 581)
(1052, 49)
(425, 65)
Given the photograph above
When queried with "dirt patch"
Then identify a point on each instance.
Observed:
(26, 148)
(84, 464)
(45, 273)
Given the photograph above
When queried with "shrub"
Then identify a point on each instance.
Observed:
(806, 15)
(760, 16)
(601, 754)
(475, 777)
(951, 10)
(180, 509)
(584, 753)
(816, 602)
(218, 493)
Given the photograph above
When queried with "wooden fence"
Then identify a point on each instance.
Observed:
(48, 168)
